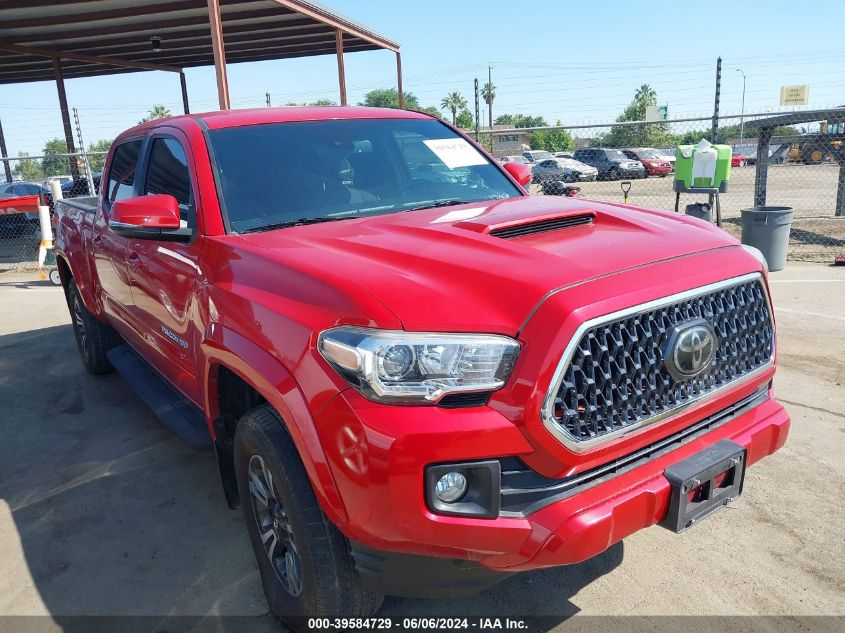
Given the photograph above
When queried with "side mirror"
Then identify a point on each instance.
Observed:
(520, 172)
(153, 217)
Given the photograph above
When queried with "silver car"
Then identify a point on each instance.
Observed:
(563, 169)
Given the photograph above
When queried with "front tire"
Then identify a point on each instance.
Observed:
(94, 339)
(613, 174)
(305, 564)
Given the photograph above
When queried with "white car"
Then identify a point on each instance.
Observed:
(536, 155)
(668, 155)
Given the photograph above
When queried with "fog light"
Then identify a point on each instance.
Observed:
(451, 487)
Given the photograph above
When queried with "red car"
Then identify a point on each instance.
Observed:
(417, 379)
(739, 160)
(655, 164)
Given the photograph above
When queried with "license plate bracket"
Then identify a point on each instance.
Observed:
(703, 483)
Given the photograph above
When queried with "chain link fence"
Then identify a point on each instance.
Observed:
(794, 160)
(27, 176)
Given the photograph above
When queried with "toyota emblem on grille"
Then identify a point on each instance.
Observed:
(690, 348)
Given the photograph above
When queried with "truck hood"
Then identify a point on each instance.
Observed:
(482, 267)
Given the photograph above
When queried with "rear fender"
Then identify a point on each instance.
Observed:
(255, 366)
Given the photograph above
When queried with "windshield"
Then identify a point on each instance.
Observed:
(284, 174)
(541, 155)
(650, 154)
(615, 154)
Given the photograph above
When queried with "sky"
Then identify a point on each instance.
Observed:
(574, 62)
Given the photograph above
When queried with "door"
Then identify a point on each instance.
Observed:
(108, 250)
(165, 275)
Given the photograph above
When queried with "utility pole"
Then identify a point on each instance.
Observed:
(477, 113)
(91, 190)
(5, 154)
(267, 94)
(714, 130)
(490, 102)
(742, 110)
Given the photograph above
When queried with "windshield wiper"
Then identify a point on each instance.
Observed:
(299, 222)
(432, 204)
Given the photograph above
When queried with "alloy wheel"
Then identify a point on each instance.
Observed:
(79, 324)
(274, 527)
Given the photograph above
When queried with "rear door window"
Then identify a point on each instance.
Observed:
(121, 182)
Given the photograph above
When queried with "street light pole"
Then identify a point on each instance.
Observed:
(742, 110)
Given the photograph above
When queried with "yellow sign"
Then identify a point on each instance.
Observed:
(794, 95)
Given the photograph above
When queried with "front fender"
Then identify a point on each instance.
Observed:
(259, 369)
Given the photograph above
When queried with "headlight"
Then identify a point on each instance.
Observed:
(417, 368)
(758, 254)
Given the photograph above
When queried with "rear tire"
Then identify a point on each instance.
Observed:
(305, 563)
(613, 174)
(93, 338)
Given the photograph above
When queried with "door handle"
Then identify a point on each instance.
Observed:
(135, 262)
(98, 243)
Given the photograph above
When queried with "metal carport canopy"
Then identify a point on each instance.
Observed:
(46, 40)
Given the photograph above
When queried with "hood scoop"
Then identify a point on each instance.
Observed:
(511, 231)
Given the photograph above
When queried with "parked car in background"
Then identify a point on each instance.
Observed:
(563, 154)
(611, 164)
(23, 188)
(562, 169)
(654, 162)
(739, 160)
(668, 155)
(60, 179)
(79, 186)
(514, 159)
(536, 155)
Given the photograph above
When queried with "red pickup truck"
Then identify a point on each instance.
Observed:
(416, 378)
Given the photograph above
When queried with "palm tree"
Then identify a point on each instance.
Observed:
(158, 112)
(454, 101)
(645, 94)
(488, 93)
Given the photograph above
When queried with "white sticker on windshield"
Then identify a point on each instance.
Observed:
(455, 152)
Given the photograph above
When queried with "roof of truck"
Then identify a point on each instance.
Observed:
(220, 119)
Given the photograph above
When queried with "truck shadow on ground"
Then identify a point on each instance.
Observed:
(115, 517)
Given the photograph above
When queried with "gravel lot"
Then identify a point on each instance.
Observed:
(104, 512)
(809, 189)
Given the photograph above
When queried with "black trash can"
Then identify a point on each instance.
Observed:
(700, 210)
(767, 229)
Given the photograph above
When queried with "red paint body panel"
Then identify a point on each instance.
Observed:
(256, 303)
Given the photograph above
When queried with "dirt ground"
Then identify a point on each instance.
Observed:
(817, 235)
(104, 512)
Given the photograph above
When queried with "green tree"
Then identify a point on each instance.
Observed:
(552, 140)
(465, 120)
(454, 102)
(323, 102)
(433, 112)
(97, 154)
(520, 120)
(157, 112)
(389, 98)
(488, 93)
(27, 168)
(641, 135)
(52, 164)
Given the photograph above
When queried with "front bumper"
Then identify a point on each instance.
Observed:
(378, 455)
(630, 173)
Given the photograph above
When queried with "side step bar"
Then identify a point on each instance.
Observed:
(181, 415)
